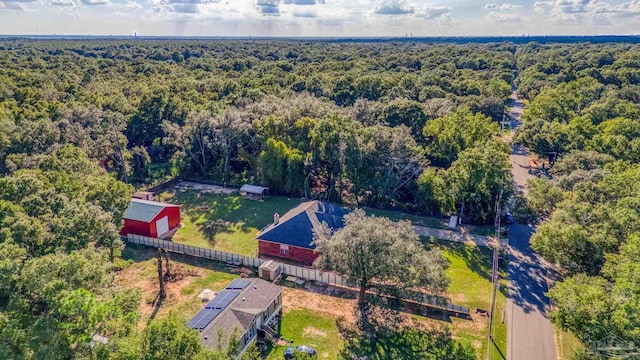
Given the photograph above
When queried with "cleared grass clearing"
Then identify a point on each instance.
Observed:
(224, 222)
(470, 275)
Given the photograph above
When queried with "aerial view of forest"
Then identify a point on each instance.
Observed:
(413, 131)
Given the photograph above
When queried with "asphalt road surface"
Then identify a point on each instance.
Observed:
(530, 333)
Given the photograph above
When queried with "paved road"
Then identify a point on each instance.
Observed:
(456, 236)
(530, 333)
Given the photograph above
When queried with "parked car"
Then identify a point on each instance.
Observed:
(290, 351)
(507, 219)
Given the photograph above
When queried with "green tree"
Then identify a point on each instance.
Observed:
(542, 196)
(447, 136)
(479, 176)
(168, 338)
(273, 164)
(375, 252)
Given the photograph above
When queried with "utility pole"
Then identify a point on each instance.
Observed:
(494, 276)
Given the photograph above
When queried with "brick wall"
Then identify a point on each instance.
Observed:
(306, 256)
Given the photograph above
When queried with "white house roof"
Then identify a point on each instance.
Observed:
(253, 189)
(144, 210)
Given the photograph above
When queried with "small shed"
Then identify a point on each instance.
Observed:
(269, 270)
(254, 190)
(143, 195)
(150, 218)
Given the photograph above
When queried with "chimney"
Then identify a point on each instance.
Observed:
(276, 219)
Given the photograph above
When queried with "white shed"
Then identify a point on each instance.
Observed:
(254, 189)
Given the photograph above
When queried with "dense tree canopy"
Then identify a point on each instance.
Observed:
(583, 106)
(355, 123)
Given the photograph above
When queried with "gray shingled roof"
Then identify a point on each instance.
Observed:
(144, 210)
(254, 299)
(297, 226)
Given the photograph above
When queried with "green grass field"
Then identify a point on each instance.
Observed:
(566, 344)
(432, 222)
(301, 327)
(470, 275)
(224, 222)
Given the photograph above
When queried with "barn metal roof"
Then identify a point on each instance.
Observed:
(253, 189)
(144, 210)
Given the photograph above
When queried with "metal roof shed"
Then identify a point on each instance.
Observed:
(150, 218)
(254, 189)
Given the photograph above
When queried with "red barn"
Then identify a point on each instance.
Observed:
(290, 236)
(150, 218)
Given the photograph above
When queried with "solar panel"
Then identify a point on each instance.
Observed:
(238, 284)
(203, 318)
(222, 300)
(206, 318)
(197, 318)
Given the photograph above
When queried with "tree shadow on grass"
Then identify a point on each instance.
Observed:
(157, 305)
(477, 258)
(386, 334)
(211, 228)
(215, 214)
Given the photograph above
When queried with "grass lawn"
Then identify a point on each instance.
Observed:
(415, 219)
(432, 222)
(470, 275)
(224, 222)
(566, 343)
(305, 327)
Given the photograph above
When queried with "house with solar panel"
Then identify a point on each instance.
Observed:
(290, 236)
(249, 308)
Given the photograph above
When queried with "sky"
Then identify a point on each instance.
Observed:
(346, 18)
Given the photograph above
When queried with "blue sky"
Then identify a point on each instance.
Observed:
(319, 17)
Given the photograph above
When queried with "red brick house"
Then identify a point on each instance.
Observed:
(150, 218)
(290, 236)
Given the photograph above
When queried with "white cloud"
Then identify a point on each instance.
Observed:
(95, 2)
(323, 17)
(503, 18)
(541, 6)
(63, 3)
(502, 7)
(393, 7)
(586, 12)
(303, 2)
(433, 12)
(19, 6)
(129, 5)
(305, 13)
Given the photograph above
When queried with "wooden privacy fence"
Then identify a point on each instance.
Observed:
(179, 248)
(328, 278)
